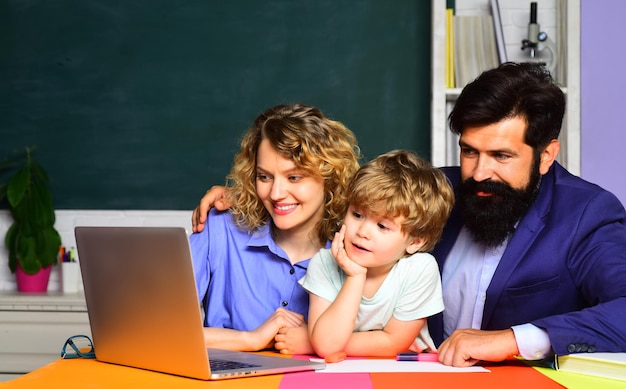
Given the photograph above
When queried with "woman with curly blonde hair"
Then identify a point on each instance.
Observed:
(287, 188)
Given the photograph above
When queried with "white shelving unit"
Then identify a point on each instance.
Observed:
(560, 19)
(33, 328)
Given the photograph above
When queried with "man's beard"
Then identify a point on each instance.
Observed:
(492, 219)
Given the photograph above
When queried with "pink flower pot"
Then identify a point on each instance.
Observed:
(32, 283)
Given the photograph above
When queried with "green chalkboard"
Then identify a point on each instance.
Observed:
(141, 104)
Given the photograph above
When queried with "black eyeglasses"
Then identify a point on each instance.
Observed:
(78, 346)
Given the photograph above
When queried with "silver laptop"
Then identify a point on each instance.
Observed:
(144, 310)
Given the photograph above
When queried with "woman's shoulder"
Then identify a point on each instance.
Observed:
(222, 221)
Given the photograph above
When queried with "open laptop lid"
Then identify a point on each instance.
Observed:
(141, 298)
(143, 307)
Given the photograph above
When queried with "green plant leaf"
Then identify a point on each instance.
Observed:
(41, 199)
(48, 242)
(17, 186)
(27, 254)
(9, 242)
(31, 240)
(39, 173)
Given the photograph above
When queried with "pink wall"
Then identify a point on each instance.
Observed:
(603, 91)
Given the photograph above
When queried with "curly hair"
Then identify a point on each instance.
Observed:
(322, 147)
(399, 183)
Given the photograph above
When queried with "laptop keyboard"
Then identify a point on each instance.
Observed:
(222, 364)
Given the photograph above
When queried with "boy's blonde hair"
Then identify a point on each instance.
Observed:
(319, 146)
(401, 184)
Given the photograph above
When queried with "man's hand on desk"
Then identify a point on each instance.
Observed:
(469, 346)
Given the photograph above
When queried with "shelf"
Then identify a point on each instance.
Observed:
(33, 327)
(44, 302)
(444, 150)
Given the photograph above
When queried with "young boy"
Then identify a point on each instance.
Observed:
(371, 292)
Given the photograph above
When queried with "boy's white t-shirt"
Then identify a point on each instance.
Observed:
(412, 290)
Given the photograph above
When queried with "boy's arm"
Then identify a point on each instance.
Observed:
(331, 323)
(397, 336)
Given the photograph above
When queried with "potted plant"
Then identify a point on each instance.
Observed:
(32, 240)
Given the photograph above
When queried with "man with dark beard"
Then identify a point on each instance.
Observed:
(533, 259)
(491, 220)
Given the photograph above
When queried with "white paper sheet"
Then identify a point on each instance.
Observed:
(392, 366)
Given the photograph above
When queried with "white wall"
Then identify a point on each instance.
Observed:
(66, 220)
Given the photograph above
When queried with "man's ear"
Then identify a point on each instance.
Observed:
(415, 245)
(548, 156)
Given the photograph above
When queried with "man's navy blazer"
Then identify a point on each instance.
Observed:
(564, 269)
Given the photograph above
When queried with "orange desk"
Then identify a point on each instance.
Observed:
(82, 373)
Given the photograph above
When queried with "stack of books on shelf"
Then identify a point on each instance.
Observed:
(474, 43)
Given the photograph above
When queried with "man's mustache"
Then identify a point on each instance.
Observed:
(487, 186)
